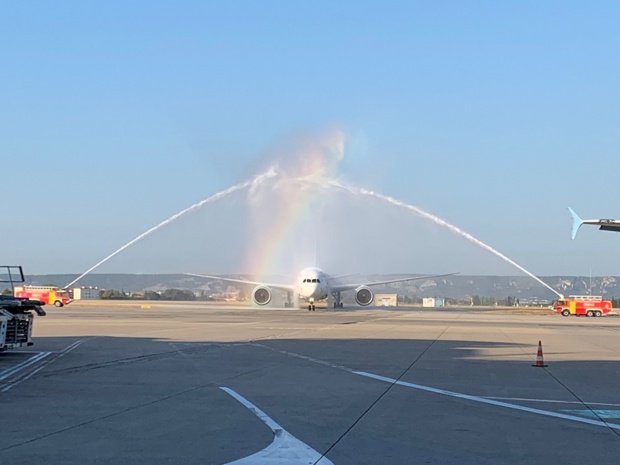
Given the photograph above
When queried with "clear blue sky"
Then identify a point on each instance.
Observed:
(493, 115)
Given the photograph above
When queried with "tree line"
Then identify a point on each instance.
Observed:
(168, 294)
(476, 300)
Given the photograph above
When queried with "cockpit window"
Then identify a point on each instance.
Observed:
(314, 280)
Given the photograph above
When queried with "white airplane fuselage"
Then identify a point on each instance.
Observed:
(312, 285)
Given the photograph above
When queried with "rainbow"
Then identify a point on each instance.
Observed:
(292, 194)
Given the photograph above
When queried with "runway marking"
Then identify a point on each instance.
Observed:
(552, 401)
(305, 357)
(483, 400)
(285, 448)
(25, 364)
(34, 366)
(20, 351)
(596, 413)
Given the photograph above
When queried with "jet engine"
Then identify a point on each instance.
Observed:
(261, 295)
(364, 296)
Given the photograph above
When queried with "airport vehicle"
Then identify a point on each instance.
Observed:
(51, 295)
(16, 321)
(16, 318)
(605, 224)
(588, 305)
(313, 285)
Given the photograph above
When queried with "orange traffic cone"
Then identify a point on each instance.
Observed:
(539, 357)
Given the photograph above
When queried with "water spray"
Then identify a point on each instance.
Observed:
(312, 171)
(257, 180)
(436, 220)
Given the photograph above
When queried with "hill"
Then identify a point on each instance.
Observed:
(458, 287)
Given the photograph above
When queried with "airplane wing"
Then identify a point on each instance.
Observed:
(344, 276)
(348, 287)
(282, 287)
(605, 224)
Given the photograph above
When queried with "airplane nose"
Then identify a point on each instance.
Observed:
(310, 289)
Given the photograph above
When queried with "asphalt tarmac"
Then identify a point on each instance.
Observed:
(208, 384)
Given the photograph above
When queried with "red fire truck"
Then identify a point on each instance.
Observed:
(50, 295)
(588, 305)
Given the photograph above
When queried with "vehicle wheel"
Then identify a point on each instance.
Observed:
(309, 308)
(589, 313)
(598, 313)
(58, 303)
(565, 312)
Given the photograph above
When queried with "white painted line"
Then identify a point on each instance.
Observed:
(552, 401)
(484, 400)
(273, 426)
(75, 345)
(25, 364)
(615, 414)
(29, 375)
(305, 357)
(285, 448)
(20, 351)
(20, 380)
(489, 401)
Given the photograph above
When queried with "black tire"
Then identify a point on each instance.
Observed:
(58, 303)
(565, 312)
(598, 313)
(309, 308)
(589, 313)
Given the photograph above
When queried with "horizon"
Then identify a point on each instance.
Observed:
(457, 286)
(361, 274)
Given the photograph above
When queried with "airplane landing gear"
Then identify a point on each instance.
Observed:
(311, 308)
(337, 302)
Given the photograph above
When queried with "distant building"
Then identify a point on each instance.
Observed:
(432, 302)
(386, 300)
(86, 293)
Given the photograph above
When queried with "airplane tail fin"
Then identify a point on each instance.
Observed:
(577, 222)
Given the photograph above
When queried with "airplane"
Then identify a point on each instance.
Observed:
(605, 224)
(313, 285)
